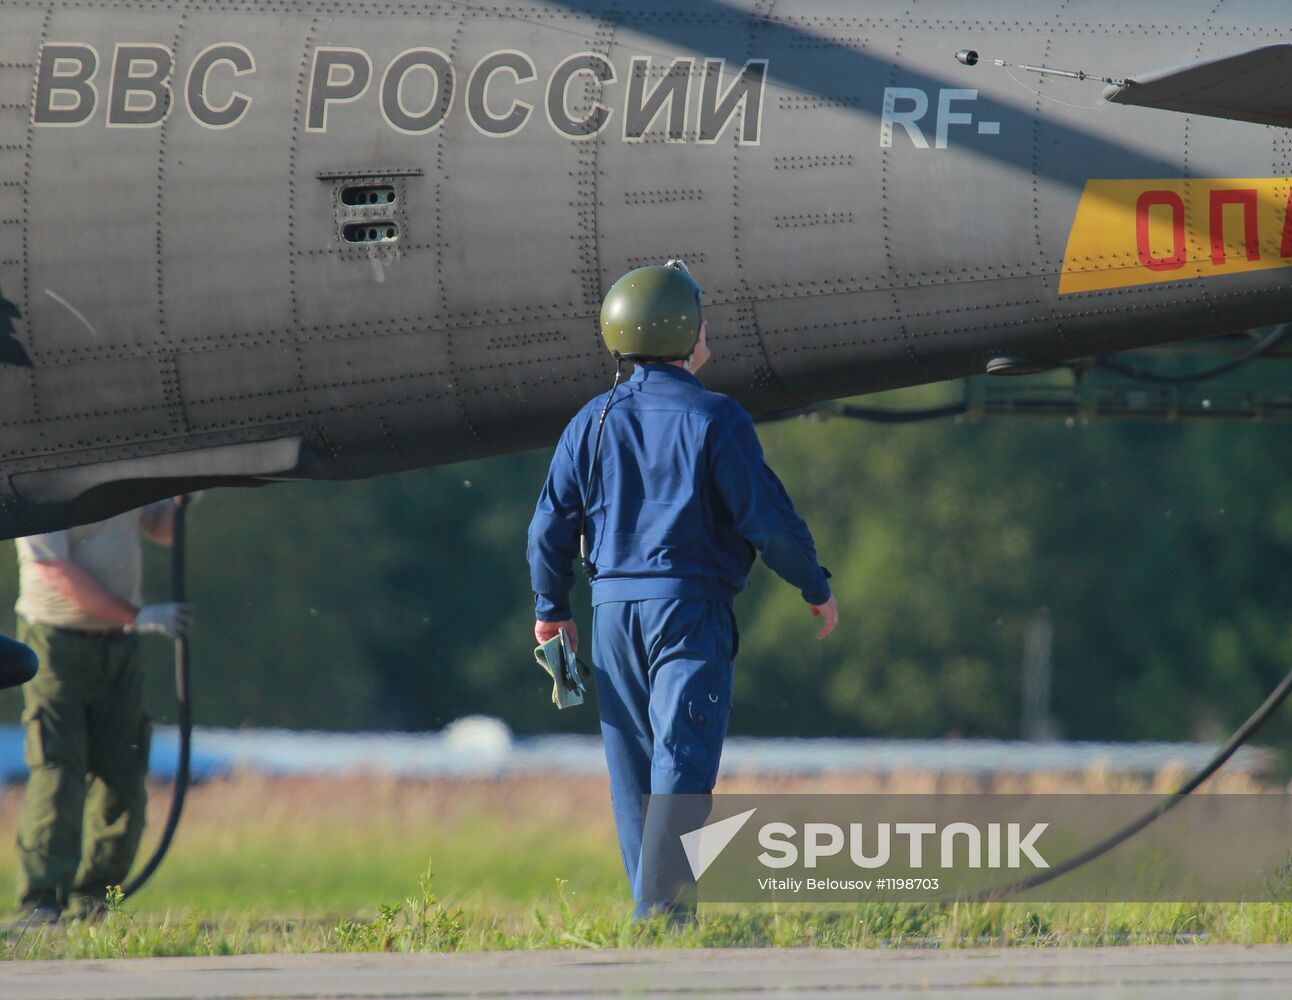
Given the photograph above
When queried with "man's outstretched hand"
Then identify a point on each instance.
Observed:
(829, 611)
(543, 631)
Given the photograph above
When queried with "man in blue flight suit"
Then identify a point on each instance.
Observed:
(666, 512)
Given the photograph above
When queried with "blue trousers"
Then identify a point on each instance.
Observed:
(664, 675)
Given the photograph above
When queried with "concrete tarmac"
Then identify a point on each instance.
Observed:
(1176, 972)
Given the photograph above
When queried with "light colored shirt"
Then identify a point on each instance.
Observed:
(110, 551)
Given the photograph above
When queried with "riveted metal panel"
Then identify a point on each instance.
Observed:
(944, 189)
(250, 387)
(968, 322)
(659, 198)
(224, 195)
(1178, 20)
(86, 404)
(94, 210)
(99, 388)
(19, 44)
(381, 398)
(13, 217)
(524, 366)
(529, 252)
(368, 371)
(21, 39)
(1005, 16)
(859, 332)
(18, 414)
(1080, 137)
(810, 209)
(15, 84)
(1262, 20)
(335, 283)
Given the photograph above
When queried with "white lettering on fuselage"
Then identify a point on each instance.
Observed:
(139, 84)
(907, 107)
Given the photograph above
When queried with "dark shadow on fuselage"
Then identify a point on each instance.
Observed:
(11, 350)
(676, 22)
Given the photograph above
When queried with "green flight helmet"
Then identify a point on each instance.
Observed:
(652, 314)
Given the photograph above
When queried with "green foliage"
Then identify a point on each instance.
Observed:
(124, 936)
(1278, 884)
(558, 926)
(418, 923)
(1159, 550)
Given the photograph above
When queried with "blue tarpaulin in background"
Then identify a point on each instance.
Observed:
(478, 747)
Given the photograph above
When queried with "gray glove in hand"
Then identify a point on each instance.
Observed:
(170, 620)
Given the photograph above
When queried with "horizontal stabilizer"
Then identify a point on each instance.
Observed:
(1251, 86)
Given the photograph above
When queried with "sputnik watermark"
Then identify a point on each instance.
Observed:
(930, 848)
(797, 885)
(703, 846)
(826, 840)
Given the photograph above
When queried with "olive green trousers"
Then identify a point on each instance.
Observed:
(86, 749)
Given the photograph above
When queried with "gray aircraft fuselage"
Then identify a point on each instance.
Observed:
(249, 242)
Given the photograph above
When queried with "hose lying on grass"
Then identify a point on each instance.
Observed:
(1244, 732)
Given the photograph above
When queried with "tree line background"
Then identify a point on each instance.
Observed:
(1161, 551)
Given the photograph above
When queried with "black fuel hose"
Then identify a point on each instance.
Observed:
(1257, 350)
(179, 594)
(871, 414)
(1244, 732)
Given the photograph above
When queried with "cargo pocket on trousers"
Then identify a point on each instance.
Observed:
(33, 740)
(699, 739)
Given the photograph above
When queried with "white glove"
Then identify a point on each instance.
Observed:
(170, 620)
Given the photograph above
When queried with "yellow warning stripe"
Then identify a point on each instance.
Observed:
(1144, 232)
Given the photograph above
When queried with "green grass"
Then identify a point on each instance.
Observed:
(262, 866)
(323, 850)
(422, 922)
(349, 871)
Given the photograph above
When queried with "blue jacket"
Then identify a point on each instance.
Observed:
(681, 500)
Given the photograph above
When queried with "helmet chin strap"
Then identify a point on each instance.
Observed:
(590, 570)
